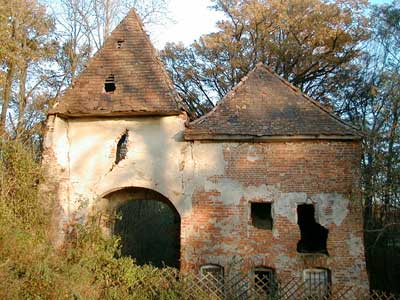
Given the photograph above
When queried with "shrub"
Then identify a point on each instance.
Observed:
(87, 267)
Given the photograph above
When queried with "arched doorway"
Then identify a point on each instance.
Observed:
(149, 226)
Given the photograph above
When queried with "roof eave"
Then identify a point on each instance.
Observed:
(115, 114)
(275, 138)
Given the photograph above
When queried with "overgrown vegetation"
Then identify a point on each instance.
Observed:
(88, 267)
(343, 53)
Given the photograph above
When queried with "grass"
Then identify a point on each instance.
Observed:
(88, 267)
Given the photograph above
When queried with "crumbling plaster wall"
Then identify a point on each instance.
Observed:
(85, 150)
(324, 173)
(211, 185)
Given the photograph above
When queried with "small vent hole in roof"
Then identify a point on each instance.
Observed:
(120, 43)
(109, 84)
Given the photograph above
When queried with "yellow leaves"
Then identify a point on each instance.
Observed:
(374, 91)
(305, 41)
(307, 22)
(24, 26)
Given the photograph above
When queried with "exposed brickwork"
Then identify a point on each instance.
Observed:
(56, 184)
(310, 167)
(216, 232)
(308, 156)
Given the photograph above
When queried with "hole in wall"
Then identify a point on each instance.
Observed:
(120, 44)
(109, 84)
(122, 148)
(261, 215)
(313, 235)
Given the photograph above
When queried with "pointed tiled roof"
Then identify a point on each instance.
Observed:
(128, 60)
(265, 106)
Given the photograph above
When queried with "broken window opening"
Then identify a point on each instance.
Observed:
(317, 283)
(261, 215)
(313, 235)
(214, 276)
(122, 148)
(265, 281)
(120, 44)
(109, 84)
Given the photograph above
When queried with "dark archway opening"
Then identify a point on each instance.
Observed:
(313, 235)
(149, 227)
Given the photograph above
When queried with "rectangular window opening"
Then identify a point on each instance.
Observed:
(261, 215)
(109, 84)
(313, 235)
(264, 281)
(212, 276)
(317, 283)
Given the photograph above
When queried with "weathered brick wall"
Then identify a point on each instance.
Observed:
(325, 173)
(211, 184)
(57, 176)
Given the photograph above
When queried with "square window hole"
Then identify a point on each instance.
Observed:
(261, 216)
(109, 84)
(120, 44)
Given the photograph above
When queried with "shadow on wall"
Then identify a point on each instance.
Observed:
(149, 223)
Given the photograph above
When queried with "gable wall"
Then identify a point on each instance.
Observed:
(211, 184)
(323, 173)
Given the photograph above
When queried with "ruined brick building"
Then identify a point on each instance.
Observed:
(268, 181)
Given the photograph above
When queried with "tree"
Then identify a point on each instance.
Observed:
(35, 68)
(25, 46)
(75, 46)
(368, 95)
(95, 19)
(306, 42)
(336, 52)
(82, 27)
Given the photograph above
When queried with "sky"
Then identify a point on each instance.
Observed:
(191, 19)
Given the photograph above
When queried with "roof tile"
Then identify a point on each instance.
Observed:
(263, 105)
(142, 84)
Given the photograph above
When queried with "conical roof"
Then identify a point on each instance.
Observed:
(124, 78)
(265, 106)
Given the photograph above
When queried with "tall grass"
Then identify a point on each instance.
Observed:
(88, 267)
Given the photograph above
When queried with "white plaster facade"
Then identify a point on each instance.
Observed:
(79, 154)
(159, 159)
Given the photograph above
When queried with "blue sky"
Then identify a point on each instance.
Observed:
(192, 18)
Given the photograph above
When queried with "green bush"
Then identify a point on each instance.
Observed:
(87, 267)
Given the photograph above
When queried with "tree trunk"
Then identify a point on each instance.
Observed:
(22, 100)
(107, 19)
(6, 98)
(368, 184)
